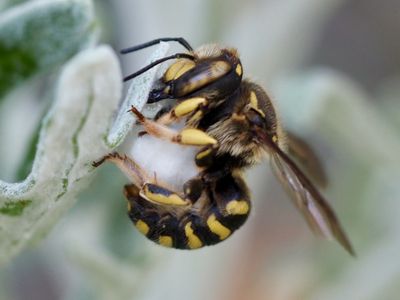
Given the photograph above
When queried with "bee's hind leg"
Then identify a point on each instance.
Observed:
(149, 189)
(128, 166)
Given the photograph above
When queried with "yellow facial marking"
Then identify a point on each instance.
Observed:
(142, 227)
(216, 70)
(188, 65)
(237, 207)
(220, 67)
(254, 103)
(193, 240)
(172, 199)
(238, 70)
(204, 153)
(165, 240)
(188, 106)
(195, 137)
(177, 69)
(216, 227)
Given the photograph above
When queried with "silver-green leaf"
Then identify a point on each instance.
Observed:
(39, 35)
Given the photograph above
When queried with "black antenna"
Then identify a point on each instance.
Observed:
(157, 62)
(180, 40)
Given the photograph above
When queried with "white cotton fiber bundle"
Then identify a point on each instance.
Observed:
(172, 163)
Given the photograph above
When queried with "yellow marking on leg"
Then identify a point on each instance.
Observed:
(216, 227)
(188, 106)
(177, 69)
(195, 137)
(196, 117)
(142, 227)
(216, 70)
(254, 103)
(129, 206)
(239, 70)
(237, 207)
(165, 240)
(204, 153)
(193, 240)
(172, 199)
(274, 138)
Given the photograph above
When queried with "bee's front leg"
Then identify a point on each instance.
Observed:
(183, 109)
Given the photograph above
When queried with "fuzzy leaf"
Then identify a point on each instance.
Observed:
(71, 137)
(39, 35)
(73, 134)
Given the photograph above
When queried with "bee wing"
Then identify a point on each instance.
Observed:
(307, 199)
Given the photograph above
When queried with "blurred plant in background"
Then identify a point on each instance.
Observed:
(93, 252)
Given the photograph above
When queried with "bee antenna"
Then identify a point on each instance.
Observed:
(157, 62)
(180, 40)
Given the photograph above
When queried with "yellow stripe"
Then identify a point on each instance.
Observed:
(186, 67)
(216, 70)
(196, 117)
(142, 227)
(129, 206)
(254, 103)
(238, 70)
(216, 227)
(172, 199)
(204, 153)
(196, 137)
(165, 241)
(236, 207)
(177, 69)
(188, 106)
(193, 240)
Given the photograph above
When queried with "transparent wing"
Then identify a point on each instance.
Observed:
(307, 199)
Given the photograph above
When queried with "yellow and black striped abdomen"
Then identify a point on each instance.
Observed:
(191, 230)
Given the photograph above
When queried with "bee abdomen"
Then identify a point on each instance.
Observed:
(210, 229)
(190, 231)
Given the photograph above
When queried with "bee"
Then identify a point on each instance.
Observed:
(233, 124)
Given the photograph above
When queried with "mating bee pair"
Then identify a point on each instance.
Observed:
(234, 124)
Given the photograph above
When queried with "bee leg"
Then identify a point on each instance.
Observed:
(232, 196)
(193, 189)
(150, 191)
(188, 136)
(205, 157)
(183, 109)
(161, 195)
(129, 167)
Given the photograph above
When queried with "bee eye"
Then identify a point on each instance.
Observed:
(255, 118)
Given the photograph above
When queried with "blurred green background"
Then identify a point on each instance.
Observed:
(332, 68)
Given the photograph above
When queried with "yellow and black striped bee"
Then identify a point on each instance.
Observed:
(234, 124)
